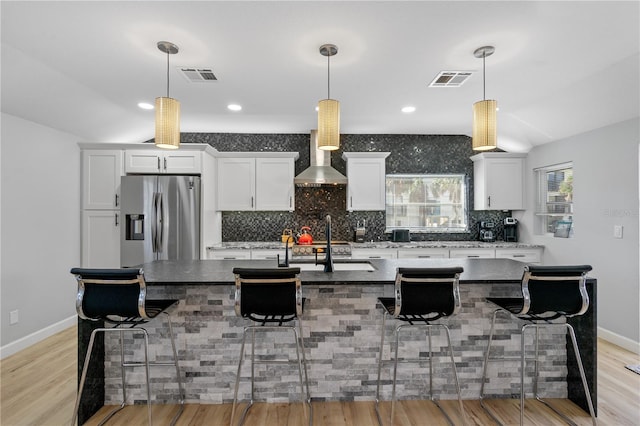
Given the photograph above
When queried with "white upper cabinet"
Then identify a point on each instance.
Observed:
(365, 180)
(257, 181)
(274, 184)
(153, 162)
(236, 183)
(101, 172)
(498, 181)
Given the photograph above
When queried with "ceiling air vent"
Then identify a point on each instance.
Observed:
(198, 75)
(450, 78)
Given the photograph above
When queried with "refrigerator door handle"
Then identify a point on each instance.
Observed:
(161, 217)
(155, 222)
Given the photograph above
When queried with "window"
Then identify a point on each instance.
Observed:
(426, 203)
(554, 204)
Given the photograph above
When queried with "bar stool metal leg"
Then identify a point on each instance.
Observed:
(397, 331)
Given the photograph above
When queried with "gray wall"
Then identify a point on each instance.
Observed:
(605, 163)
(40, 226)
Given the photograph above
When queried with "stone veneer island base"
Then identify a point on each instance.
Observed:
(341, 325)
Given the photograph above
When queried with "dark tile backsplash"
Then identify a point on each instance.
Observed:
(409, 154)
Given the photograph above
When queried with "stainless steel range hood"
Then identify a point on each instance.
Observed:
(320, 172)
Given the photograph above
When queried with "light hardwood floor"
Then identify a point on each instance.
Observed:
(38, 388)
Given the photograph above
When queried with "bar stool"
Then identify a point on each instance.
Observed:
(270, 299)
(422, 296)
(118, 297)
(549, 293)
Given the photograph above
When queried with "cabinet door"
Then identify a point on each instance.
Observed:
(533, 255)
(184, 162)
(365, 187)
(374, 253)
(101, 239)
(229, 254)
(274, 184)
(269, 254)
(236, 183)
(101, 172)
(142, 161)
(498, 181)
(423, 253)
(472, 253)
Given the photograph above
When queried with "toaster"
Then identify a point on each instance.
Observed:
(400, 236)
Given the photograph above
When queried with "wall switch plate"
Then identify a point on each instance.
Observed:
(13, 317)
(617, 231)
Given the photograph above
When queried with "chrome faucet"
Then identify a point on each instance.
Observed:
(328, 260)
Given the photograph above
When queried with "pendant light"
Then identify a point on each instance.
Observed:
(484, 135)
(167, 109)
(328, 110)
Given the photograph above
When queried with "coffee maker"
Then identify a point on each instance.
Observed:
(487, 232)
(510, 230)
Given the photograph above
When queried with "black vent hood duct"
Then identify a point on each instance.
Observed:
(320, 172)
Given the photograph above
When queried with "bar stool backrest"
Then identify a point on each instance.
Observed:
(420, 291)
(104, 293)
(268, 291)
(560, 289)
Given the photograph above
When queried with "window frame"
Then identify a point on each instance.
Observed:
(542, 202)
(464, 204)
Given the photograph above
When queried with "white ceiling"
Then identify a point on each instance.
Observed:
(560, 68)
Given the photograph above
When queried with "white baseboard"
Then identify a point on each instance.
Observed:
(616, 339)
(38, 336)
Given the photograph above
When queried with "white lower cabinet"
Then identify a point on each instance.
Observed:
(101, 238)
(269, 254)
(527, 255)
(474, 253)
(229, 254)
(366, 253)
(423, 253)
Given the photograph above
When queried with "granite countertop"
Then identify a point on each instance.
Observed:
(206, 272)
(256, 245)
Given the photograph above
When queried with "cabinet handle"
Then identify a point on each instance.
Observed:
(117, 222)
(473, 255)
(351, 201)
(117, 200)
(489, 201)
(375, 257)
(290, 202)
(229, 258)
(165, 164)
(252, 202)
(424, 257)
(158, 163)
(518, 255)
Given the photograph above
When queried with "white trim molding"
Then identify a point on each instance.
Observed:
(38, 336)
(616, 339)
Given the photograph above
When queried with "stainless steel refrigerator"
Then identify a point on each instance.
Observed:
(161, 217)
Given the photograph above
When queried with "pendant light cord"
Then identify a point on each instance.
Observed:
(484, 77)
(167, 74)
(328, 77)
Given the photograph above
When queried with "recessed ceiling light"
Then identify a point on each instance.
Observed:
(408, 109)
(234, 107)
(145, 105)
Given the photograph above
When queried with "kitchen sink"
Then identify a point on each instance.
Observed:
(346, 266)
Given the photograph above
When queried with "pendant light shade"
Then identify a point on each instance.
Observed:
(484, 125)
(167, 109)
(484, 136)
(167, 123)
(328, 124)
(328, 110)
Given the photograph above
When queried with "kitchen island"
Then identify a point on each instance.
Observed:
(341, 326)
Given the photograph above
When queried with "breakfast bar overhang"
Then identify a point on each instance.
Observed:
(341, 330)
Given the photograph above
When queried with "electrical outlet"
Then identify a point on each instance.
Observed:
(13, 317)
(617, 231)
